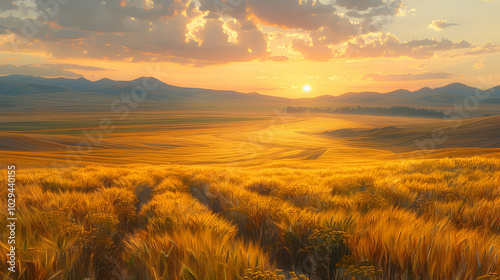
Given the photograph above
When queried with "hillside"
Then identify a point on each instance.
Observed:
(477, 132)
(25, 93)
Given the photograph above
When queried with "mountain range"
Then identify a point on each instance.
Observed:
(25, 93)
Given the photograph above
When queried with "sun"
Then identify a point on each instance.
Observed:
(306, 88)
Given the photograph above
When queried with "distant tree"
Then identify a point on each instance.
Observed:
(375, 111)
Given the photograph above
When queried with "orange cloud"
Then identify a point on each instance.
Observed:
(205, 32)
(401, 77)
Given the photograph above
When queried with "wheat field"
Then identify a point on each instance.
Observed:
(294, 212)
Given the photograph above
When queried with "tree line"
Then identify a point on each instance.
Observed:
(374, 111)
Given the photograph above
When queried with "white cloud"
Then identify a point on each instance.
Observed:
(439, 25)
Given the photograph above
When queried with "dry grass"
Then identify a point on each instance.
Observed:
(425, 219)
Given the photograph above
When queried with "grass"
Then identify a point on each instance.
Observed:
(415, 219)
(264, 200)
(76, 127)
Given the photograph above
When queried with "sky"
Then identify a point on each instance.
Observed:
(289, 48)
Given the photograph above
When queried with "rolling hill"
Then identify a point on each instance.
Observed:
(476, 132)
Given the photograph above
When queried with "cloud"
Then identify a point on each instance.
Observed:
(37, 70)
(168, 30)
(162, 41)
(359, 5)
(67, 34)
(288, 14)
(184, 31)
(3, 29)
(12, 58)
(319, 43)
(66, 66)
(439, 25)
(488, 47)
(388, 46)
(418, 65)
(48, 70)
(203, 32)
(7, 5)
(275, 58)
(378, 45)
(408, 76)
(478, 65)
(316, 52)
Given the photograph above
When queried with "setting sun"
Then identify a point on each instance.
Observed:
(307, 88)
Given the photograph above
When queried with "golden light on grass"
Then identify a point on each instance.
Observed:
(184, 222)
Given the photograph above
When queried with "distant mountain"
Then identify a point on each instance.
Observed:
(17, 88)
(457, 88)
(449, 95)
(26, 93)
(80, 84)
(18, 92)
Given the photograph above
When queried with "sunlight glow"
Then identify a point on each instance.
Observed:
(306, 88)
